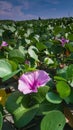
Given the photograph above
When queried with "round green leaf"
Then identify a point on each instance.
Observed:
(54, 120)
(53, 98)
(63, 89)
(10, 75)
(5, 68)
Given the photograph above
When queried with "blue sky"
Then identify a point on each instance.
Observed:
(33, 9)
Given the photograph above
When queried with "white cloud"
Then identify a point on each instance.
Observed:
(25, 4)
(9, 11)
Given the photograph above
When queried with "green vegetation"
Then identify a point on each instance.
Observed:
(38, 45)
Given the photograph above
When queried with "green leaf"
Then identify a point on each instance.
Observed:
(70, 72)
(54, 120)
(6, 71)
(65, 74)
(53, 98)
(21, 49)
(5, 68)
(27, 41)
(37, 37)
(40, 96)
(31, 52)
(57, 30)
(5, 27)
(16, 55)
(69, 99)
(70, 46)
(70, 57)
(10, 75)
(40, 46)
(63, 89)
(1, 31)
(48, 61)
(58, 78)
(13, 64)
(22, 115)
(1, 121)
(70, 36)
(46, 106)
(11, 28)
(71, 83)
(14, 101)
(62, 72)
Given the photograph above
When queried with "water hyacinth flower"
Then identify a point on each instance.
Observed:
(31, 81)
(63, 40)
(3, 44)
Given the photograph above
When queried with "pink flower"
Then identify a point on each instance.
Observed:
(63, 41)
(31, 81)
(3, 44)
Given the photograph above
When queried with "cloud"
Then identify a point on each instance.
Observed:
(9, 11)
(5, 5)
(25, 4)
(29, 9)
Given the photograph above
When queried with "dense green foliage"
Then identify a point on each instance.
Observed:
(33, 45)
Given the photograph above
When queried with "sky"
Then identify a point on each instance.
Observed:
(33, 9)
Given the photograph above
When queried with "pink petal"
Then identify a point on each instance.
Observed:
(28, 78)
(4, 43)
(22, 87)
(62, 40)
(41, 77)
(26, 82)
(29, 82)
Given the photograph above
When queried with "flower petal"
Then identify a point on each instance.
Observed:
(4, 43)
(23, 87)
(29, 82)
(26, 82)
(41, 77)
(62, 40)
(28, 78)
